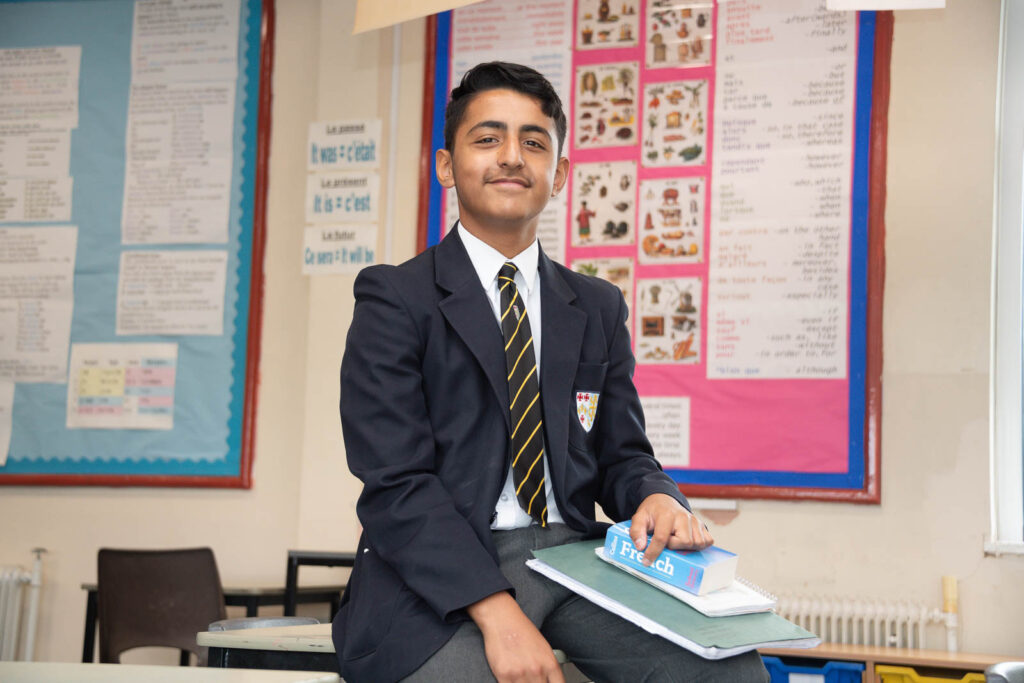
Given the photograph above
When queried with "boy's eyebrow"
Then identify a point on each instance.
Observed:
(533, 128)
(501, 125)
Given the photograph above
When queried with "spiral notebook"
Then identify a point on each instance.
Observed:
(742, 597)
(577, 567)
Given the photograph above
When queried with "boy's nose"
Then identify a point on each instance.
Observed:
(510, 155)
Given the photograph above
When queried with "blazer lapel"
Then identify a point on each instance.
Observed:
(468, 312)
(561, 342)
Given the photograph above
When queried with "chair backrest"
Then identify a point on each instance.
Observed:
(156, 598)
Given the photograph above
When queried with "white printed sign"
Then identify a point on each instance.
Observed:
(122, 386)
(344, 145)
(29, 153)
(668, 428)
(37, 268)
(185, 40)
(39, 86)
(334, 249)
(28, 200)
(6, 408)
(172, 292)
(342, 197)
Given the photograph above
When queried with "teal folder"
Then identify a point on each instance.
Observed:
(577, 567)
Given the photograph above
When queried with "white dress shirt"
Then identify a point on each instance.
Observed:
(487, 261)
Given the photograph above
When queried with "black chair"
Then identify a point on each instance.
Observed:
(157, 598)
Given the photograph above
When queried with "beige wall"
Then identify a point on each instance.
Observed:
(934, 511)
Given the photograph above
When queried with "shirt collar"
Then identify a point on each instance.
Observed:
(487, 260)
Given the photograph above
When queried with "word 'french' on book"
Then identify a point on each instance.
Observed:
(695, 571)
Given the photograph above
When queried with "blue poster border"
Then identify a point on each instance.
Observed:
(858, 483)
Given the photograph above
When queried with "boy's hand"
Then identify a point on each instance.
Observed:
(670, 524)
(515, 649)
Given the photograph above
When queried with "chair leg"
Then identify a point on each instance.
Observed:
(91, 611)
(291, 586)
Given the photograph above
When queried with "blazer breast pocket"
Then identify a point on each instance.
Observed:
(587, 387)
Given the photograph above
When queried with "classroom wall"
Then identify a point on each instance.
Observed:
(934, 511)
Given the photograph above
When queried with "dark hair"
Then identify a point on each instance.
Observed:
(498, 76)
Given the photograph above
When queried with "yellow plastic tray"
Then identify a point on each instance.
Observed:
(904, 674)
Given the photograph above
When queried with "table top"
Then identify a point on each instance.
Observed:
(45, 672)
(895, 655)
(305, 638)
(345, 557)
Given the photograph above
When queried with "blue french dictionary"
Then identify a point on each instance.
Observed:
(696, 571)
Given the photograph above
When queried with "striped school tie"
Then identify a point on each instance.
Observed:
(524, 399)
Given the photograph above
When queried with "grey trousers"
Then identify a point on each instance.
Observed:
(603, 646)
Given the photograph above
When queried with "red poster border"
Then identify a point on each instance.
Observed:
(871, 492)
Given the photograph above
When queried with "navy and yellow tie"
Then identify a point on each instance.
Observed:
(524, 399)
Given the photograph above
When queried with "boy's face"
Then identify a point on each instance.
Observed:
(504, 162)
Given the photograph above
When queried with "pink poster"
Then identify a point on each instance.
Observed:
(712, 148)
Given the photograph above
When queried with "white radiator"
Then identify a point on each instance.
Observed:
(15, 582)
(861, 621)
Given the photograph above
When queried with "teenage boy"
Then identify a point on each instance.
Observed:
(477, 443)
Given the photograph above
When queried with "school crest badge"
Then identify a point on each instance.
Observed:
(586, 408)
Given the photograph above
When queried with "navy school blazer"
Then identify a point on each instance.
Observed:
(424, 412)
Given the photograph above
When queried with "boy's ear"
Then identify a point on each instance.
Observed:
(443, 163)
(561, 175)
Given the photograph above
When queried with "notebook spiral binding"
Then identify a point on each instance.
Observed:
(757, 589)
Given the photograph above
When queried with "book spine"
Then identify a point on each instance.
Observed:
(668, 568)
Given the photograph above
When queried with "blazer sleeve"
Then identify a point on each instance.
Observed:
(629, 471)
(408, 517)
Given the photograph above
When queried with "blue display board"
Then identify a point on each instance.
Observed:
(210, 442)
